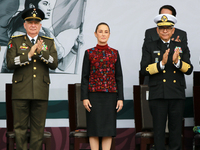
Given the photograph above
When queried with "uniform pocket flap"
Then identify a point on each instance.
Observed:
(46, 79)
(17, 78)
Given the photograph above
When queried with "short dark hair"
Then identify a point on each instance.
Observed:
(102, 23)
(168, 7)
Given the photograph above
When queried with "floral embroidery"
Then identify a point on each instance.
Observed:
(102, 69)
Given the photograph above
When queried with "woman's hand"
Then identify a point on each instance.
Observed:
(119, 105)
(87, 104)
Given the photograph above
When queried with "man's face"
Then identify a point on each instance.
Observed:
(32, 27)
(165, 32)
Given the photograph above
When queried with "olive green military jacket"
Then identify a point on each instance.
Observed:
(31, 76)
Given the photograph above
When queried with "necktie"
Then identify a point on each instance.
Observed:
(166, 44)
(33, 41)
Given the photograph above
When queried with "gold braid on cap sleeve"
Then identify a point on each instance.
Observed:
(152, 68)
(185, 67)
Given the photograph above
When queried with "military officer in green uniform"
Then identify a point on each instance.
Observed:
(30, 56)
(166, 62)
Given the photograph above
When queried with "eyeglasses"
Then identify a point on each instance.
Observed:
(167, 28)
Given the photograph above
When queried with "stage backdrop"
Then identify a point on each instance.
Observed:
(72, 23)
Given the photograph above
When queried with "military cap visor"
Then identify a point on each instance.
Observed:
(165, 20)
(33, 14)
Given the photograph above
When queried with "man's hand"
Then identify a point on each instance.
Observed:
(165, 57)
(175, 56)
(39, 46)
(32, 51)
(177, 39)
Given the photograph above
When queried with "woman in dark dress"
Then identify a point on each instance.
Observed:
(101, 89)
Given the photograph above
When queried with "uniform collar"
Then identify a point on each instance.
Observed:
(30, 38)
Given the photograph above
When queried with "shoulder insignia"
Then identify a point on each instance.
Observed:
(54, 46)
(47, 37)
(16, 36)
(9, 42)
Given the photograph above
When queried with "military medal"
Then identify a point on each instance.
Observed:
(179, 49)
(156, 60)
(23, 47)
(44, 47)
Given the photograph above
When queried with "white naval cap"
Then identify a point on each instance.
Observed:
(165, 20)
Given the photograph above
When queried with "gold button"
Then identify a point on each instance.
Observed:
(174, 81)
(164, 80)
(28, 63)
(15, 81)
(164, 71)
(35, 54)
(43, 60)
(34, 68)
(174, 71)
(22, 53)
(34, 75)
(158, 54)
(34, 60)
(47, 62)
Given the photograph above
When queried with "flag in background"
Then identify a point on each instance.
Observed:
(67, 14)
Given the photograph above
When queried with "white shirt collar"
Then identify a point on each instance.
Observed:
(30, 38)
(166, 42)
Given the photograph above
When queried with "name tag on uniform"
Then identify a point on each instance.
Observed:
(157, 52)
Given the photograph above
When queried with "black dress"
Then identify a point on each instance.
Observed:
(101, 120)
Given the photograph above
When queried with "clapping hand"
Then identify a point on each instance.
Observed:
(175, 55)
(39, 46)
(165, 57)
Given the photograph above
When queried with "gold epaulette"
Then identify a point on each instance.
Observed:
(152, 68)
(185, 67)
(47, 37)
(16, 36)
